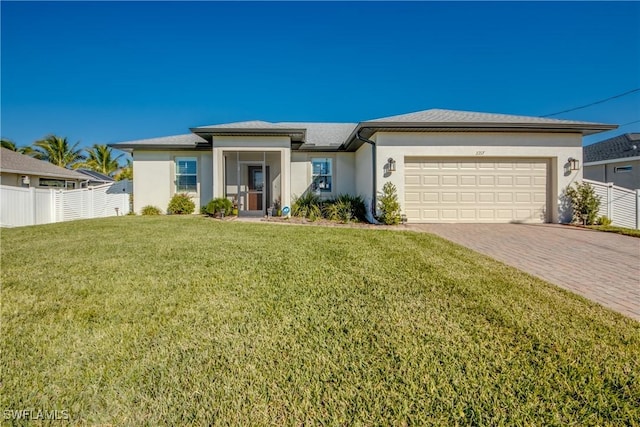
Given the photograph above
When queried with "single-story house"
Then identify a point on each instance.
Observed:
(447, 166)
(614, 160)
(19, 170)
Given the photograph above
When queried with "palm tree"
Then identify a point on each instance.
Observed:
(9, 144)
(100, 159)
(56, 150)
(125, 172)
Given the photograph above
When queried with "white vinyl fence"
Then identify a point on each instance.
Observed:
(31, 206)
(621, 205)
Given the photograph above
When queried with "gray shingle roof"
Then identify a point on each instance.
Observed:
(323, 134)
(189, 140)
(311, 136)
(13, 162)
(618, 147)
(252, 124)
(454, 116)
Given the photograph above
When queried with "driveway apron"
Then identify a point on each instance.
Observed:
(603, 267)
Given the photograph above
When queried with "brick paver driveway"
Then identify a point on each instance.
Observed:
(604, 267)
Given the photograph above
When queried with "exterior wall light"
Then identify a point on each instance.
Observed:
(391, 164)
(574, 164)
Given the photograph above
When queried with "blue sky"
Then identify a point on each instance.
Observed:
(101, 72)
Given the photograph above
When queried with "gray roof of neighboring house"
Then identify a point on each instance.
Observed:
(334, 136)
(14, 162)
(618, 147)
(95, 176)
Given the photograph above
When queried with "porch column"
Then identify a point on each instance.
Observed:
(218, 173)
(285, 186)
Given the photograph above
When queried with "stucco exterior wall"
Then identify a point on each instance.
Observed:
(557, 148)
(607, 173)
(10, 179)
(363, 173)
(154, 178)
(343, 173)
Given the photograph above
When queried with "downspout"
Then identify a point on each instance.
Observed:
(373, 174)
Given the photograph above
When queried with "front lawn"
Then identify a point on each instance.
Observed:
(619, 230)
(187, 320)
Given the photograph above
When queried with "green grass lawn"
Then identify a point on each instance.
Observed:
(188, 320)
(620, 230)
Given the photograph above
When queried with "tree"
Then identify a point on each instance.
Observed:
(56, 150)
(388, 205)
(125, 172)
(585, 202)
(10, 145)
(100, 159)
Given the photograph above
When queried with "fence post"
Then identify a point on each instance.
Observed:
(610, 200)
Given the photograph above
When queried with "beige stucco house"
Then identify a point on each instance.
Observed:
(448, 166)
(614, 160)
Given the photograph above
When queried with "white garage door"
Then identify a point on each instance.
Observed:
(475, 190)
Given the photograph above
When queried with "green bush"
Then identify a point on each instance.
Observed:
(389, 205)
(584, 201)
(309, 206)
(151, 210)
(345, 208)
(604, 220)
(220, 205)
(181, 204)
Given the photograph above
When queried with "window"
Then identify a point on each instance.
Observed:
(56, 183)
(186, 175)
(321, 174)
(623, 169)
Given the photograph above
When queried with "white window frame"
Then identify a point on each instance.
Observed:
(177, 174)
(330, 175)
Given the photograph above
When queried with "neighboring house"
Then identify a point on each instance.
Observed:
(18, 170)
(447, 166)
(95, 178)
(614, 160)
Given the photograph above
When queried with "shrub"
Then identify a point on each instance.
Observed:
(307, 206)
(151, 210)
(181, 204)
(220, 205)
(584, 201)
(388, 205)
(345, 208)
(604, 220)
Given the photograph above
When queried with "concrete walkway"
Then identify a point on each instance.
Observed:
(604, 267)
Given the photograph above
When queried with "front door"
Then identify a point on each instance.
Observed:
(256, 187)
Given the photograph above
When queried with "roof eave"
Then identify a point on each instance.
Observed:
(47, 174)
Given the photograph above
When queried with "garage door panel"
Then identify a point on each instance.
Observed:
(475, 190)
(448, 197)
(505, 180)
(430, 180)
(412, 180)
(449, 180)
(468, 180)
